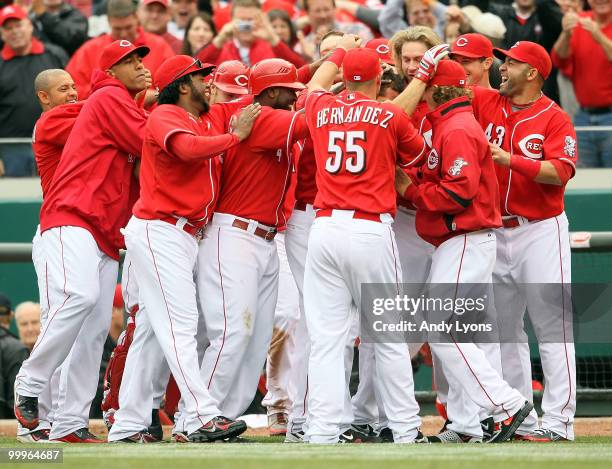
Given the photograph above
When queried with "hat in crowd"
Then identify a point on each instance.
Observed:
(490, 25)
(361, 64)
(472, 46)
(12, 12)
(163, 3)
(287, 6)
(5, 305)
(530, 53)
(449, 73)
(117, 50)
(382, 48)
(118, 298)
(177, 67)
(232, 76)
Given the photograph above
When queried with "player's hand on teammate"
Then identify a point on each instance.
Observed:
(242, 125)
(500, 156)
(429, 62)
(402, 181)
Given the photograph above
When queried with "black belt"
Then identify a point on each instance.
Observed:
(596, 110)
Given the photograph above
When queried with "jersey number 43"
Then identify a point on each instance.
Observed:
(353, 156)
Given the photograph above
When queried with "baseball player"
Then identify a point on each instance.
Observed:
(474, 52)
(238, 262)
(163, 239)
(350, 246)
(533, 144)
(455, 214)
(230, 81)
(88, 202)
(57, 95)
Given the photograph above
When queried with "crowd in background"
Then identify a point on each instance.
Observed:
(41, 34)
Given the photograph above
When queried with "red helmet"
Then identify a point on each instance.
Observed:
(232, 77)
(273, 72)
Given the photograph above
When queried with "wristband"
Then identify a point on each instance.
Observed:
(337, 57)
(525, 166)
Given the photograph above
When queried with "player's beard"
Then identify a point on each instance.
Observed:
(199, 98)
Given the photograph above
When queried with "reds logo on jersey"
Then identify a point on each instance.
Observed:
(455, 169)
(532, 145)
(570, 146)
(432, 159)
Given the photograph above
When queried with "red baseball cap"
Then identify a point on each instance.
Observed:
(163, 3)
(361, 64)
(12, 12)
(473, 46)
(117, 50)
(449, 73)
(382, 48)
(530, 53)
(232, 76)
(178, 66)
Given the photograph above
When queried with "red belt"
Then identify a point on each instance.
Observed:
(187, 227)
(265, 234)
(358, 214)
(300, 205)
(511, 222)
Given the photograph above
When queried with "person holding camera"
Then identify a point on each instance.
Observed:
(248, 37)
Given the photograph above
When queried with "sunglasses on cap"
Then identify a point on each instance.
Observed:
(195, 62)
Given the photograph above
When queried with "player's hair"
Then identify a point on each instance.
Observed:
(391, 79)
(305, 4)
(42, 82)
(331, 33)
(120, 8)
(245, 4)
(443, 94)
(422, 34)
(170, 94)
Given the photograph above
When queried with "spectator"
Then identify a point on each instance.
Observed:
(322, 18)
(59, 23)
(27, 318)
(124, 25)
(199, 33)
(583, 53)
(182, 12)
(249, 37)
(154, 16)
(366, 14)
(22, 58)
(283, 26)
(419, 12)
(12, 355)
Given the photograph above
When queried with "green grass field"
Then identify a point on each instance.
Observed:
(268, 453)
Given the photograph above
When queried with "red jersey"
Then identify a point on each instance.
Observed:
(357, 142)
(256, 172)
(306, 166)
(458, 192)
(174, 185)
(542, 131)
(50, 134)
(588, 66)
(94, 186)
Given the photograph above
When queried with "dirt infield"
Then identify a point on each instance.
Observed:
(593, 426)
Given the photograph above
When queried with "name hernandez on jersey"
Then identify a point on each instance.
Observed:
(542, 131)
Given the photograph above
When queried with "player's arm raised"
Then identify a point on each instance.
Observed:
(323, 78)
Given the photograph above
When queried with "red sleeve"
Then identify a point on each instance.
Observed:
(221, 113)
(283, 51)
(460, 177)
(565, 65)
(187, 146)
(304, 74)
(127, 122)
(313, 102)
(410, 145)
(58, 123)
(275, 128)
(209, 54)
(560, 142)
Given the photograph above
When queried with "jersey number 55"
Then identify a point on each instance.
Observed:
(353, 155)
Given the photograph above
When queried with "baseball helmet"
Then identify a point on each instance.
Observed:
(232, 77)
(273, 72)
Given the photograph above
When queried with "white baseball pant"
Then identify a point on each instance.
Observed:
(344, 253)
(237, 279)
(538, 253)
(79, 286)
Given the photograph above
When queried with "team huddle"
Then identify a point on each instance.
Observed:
(207, 181)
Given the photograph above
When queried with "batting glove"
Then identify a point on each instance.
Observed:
(429, 62)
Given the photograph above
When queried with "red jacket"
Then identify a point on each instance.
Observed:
(259, 50)
(94, 186)
(458, 192)
(85, 60)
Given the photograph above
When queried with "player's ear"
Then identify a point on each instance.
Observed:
(488, 63)
(43, 97)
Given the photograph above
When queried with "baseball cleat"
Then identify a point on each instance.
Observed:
(488, 428)
(505, 429)
(294, 437)
(543, 435)
(37, 436)
(180, 437)
(386, 435)
(218, 428)
(277, 424)
(140, 437)
(82, 435)
(366, 429)
(155, 429)
(355, 436)
(26, 411)
(450, 436)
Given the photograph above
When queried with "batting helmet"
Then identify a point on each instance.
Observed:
(273, 72)
(232, 77)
